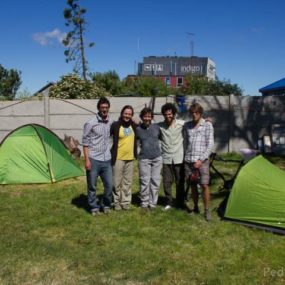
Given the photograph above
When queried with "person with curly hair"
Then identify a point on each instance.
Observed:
(172, 156)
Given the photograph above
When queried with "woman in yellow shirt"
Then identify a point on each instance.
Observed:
(124, 151)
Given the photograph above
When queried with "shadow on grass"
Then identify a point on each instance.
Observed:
(81, 202)
(161, 201)
(137, 201)
(220, 194)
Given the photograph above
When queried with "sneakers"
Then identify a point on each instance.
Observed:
(117, 208)
(125, 207)
(207, 215)
(95, 212)
(167, 208)
(106, 210)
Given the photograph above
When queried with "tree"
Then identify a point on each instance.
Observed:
(10, 81)
(110, 81)
(74, 40)
(73, 87)
(146, 86)
(23, 94)
(201, 85)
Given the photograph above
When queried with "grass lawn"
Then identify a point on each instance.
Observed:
(48, 237)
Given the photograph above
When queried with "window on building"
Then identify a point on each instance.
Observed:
(179, 81)
(167, 81)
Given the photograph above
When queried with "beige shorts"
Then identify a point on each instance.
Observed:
(204, 172)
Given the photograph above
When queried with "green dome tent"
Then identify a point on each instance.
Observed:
(34, 154)
(258, 196)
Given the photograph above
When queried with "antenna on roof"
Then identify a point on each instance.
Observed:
(191, 42)
(138, 54)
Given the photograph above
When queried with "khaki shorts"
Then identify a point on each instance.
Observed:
(204, 172)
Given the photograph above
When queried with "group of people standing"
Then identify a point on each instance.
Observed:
(180, 149)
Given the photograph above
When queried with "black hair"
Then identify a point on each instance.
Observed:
(167, 107)
(146, 110)
(103, 100)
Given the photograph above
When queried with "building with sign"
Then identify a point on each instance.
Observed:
(173, 69)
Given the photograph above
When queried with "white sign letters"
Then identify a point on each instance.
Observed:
(153, 67)
(191, 68)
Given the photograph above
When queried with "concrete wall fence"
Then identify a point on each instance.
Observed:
(238, 121)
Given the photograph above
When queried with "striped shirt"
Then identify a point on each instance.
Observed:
(199, 140)
(96, 136)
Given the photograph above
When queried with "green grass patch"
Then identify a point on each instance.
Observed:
(48, 237)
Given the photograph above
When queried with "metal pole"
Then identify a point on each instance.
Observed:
(231, 116)
(191, 43)
(46, 108)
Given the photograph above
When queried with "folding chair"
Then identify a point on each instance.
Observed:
(227, 183)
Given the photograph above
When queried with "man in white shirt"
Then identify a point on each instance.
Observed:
(172, 155)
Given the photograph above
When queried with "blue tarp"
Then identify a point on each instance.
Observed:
(280, 84)
(180, 100)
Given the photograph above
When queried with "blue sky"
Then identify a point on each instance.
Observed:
(245, 38)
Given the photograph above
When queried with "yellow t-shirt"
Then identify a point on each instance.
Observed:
(126, 143)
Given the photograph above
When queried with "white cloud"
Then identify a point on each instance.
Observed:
(49, 38)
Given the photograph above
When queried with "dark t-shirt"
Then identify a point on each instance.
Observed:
(149, 141)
